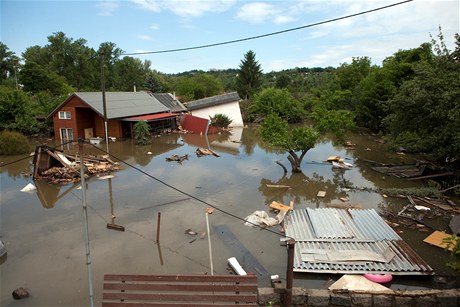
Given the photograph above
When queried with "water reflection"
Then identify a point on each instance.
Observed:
(50, 240)
(49, 194)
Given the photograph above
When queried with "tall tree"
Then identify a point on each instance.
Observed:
(249, 73)
(425, 113)
(8, 63)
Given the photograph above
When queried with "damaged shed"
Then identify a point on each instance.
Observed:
(354, 241)
(60, 167)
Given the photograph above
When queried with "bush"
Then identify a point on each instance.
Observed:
(221, 121)
(142, 133)
(13, 143)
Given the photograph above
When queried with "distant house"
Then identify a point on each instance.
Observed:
(227, 104)
(81, 115)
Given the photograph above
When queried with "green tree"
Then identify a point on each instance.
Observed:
(349, 75)
(9, 63)
(199, 86)
(279, 102)
(425, 113)
(142, 133)
(295, 141)
(155, 82)
(249, 74)
(130, 72)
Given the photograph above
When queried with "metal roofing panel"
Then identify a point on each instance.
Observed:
(331, 223)
(170, 102)
(123, 104)
(354, 229)
(402, 264)
(212, 101)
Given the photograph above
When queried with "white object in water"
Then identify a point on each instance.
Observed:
(29, 188)
(95, 140)
(236, 266)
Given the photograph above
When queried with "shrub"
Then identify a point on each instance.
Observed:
(142, 133)
(221, 120)
(13, 143)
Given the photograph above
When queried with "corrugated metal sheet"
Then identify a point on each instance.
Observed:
(123, 104)
(324, 229)
(169, 101)
(213, 101)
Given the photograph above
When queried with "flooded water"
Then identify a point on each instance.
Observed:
(44, 230)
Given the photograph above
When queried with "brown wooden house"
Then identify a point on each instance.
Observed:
(81, 115)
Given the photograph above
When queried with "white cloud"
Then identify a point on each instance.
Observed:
(149, 5)
(256, 12)
(146, 37)
(107, 7)
(185, 8)
(155, 27)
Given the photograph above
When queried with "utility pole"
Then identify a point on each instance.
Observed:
(104, 103)
(85, 218)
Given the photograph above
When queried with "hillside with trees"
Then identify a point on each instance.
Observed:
(412, 98)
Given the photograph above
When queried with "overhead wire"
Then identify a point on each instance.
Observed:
(30, 155)
(188, 194)
(269, 34)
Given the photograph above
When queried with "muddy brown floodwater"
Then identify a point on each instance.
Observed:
(44, 230)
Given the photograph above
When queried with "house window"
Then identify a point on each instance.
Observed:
(66, 134)
(64, 115)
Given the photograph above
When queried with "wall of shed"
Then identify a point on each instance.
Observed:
(231, 109)
(81, 118)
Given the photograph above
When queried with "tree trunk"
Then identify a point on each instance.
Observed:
(295, 163)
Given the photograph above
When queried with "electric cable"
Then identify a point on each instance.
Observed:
(268, 34)
(30, 155)
(188, 194)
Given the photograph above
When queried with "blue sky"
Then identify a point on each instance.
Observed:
(154, 25)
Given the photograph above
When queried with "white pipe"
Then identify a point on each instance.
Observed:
(209, 243)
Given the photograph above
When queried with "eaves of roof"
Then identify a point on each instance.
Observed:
(213, 101)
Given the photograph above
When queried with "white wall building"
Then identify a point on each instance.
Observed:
(226, 104)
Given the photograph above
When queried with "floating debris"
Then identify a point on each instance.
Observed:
(60, 167)
(205, 152)
(177, 158)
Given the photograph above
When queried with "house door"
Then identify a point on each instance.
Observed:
(66, 134)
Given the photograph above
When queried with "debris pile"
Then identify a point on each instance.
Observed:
(62, 168)
(177, 158)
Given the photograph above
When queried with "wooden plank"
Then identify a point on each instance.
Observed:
(436, 238)
(321, 194)
(178, 277)
(205, 287)
(280, 207)
(176, 297)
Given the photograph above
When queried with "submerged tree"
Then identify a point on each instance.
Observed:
(142, 133)
(277, 133)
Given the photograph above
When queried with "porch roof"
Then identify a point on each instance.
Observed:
(150, 117)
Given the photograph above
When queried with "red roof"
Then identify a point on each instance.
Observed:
(151, 117)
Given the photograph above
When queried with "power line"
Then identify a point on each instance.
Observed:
(189, 195)
(269, 34)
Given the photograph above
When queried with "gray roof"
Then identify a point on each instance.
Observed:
(213, 101)
(170, 102)
(320, 230)
(118, 104)
(122, 104)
